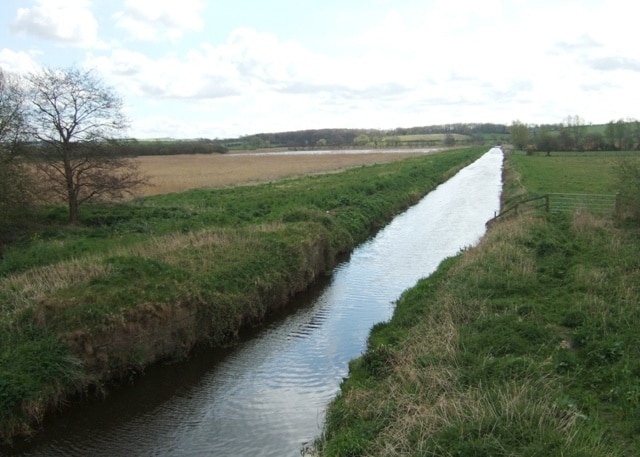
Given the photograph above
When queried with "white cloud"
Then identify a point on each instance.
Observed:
(198, 75)
(19, 62)
(160, 20)
(615, 63)
(249, 62)
(64, 21)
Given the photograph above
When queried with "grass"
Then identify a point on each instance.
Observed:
(592, 173)
(151, 278)
(525, 345)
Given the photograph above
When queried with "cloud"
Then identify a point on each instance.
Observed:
(160, 20)
(67, 22)
(409, 63)
(198, 75)
(251, 63)
(17, 62)
(615, 63)
(389, 90)
(582, 43)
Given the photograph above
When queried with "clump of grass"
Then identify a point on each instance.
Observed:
(21, 289)
(34, 365)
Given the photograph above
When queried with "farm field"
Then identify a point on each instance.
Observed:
(178, 173)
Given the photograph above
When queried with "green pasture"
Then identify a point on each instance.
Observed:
(588, 173)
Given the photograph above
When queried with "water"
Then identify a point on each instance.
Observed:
(268, 396)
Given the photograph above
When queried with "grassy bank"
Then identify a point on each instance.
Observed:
(526, 345)
(151, 278)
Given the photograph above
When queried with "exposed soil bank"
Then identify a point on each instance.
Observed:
(152, 332)
(156, 299)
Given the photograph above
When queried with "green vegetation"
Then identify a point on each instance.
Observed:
(524, 345)
(151, 278)
(160, 147)
(593, 173)
(576, 135)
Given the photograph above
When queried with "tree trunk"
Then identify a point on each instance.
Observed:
(72, 198)
(73, 209)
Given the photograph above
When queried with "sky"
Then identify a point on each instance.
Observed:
(227, 68)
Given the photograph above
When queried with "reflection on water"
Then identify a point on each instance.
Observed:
(267, 396)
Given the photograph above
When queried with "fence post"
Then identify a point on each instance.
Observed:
(546, 203)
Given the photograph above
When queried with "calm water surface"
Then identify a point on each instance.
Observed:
(268, 396)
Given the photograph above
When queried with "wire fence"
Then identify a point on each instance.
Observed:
(597, 204)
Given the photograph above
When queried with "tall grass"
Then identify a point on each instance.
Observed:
(215, 259)
(524, 345)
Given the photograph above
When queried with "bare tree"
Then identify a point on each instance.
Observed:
(15, 181)
(75, 119)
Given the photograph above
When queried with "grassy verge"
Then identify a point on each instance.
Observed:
(525, 345)
(151, 278)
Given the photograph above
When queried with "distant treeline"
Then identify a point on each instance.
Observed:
(450, 134)
(133, 147)
(576, 135)
(337, 138)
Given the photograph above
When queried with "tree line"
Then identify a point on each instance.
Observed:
(576, 135)
(342, 137)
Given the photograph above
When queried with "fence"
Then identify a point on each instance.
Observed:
(597, 204)
(603, 205)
